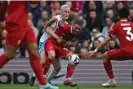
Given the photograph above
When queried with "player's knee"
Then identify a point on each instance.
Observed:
(57, 69)
(105, 56)
(11, 55)
(32, 49)
(51, 56)
(42, 61)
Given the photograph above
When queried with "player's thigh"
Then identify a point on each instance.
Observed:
(57, 65)
(30, 36)
(15, 34)
(10, 51)
(50, 49)
(63, 52)
(32, 49)
(118, 54)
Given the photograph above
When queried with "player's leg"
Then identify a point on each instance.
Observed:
(55, 71)
(119, 54)
(42, 54)
(108, 68)
(48, 61)
(35, 62)
(50, 50)
(70, 71)
(64, 53)
(35, 59)
(10, 52)
(12, 42)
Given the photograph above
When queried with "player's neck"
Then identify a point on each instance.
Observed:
(123, 19)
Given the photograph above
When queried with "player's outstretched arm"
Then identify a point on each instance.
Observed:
(50, 22)
(100, 46)
(52, 34)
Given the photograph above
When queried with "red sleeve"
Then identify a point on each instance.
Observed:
(112, 31)
(3, 9)
(65, 26)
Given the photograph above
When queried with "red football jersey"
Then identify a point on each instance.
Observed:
(123, 30)
(18, 12)
(64, 31)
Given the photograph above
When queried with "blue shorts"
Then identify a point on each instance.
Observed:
(41, 46)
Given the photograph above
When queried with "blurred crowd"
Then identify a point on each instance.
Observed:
(100, 16)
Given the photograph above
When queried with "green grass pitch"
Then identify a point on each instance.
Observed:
(18, 86)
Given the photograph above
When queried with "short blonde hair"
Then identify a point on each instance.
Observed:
(65, 6)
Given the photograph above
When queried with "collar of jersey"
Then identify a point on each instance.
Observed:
(123, 20)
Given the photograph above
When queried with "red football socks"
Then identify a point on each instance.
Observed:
(36, 66)
(70, 70)
(47, 64)
(108, 68)
(3, 60)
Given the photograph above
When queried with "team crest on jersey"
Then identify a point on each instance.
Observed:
(61, 23)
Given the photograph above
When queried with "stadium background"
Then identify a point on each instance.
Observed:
(100, 16)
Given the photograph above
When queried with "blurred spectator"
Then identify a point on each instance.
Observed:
(93, 5)
(96, 34)
(93, 20)
(44, 6)
(110, 14)
(55, 5)
(131, 15)
(74, 13)
(78, 6)
(107, 6)
(107, 27)
(96, 42)
(120, 4)
(112, 45)
(57, 12)
(35, 10)
(69, 3)
(86, 44)
(82, 53)
(43, 20)
(130, 3)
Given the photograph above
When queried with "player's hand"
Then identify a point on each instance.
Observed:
(90, 54)
(2, 24)
(61, 41)
(58, 40)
